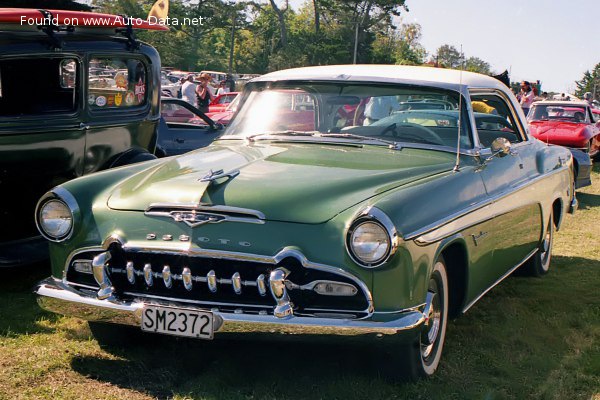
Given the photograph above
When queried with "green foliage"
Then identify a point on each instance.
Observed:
(476, 64)
(448, 56)
(320, 32)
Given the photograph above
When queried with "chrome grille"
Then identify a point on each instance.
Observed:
(240, 285)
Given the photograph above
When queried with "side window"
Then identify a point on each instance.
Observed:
(38, 86)
(172, 112)
(494, 119)
(115, 83)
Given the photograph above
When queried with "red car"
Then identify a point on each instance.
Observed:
(566, 123)
(221, 102)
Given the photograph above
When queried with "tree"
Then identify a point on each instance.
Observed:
(449, 57)
(476, 64)
(399, 46)
(590, 82)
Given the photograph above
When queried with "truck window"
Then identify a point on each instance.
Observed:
(38, 86)
(116, 83)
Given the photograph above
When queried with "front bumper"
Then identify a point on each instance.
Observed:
(54, 295)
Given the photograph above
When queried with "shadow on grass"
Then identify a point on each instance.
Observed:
(235, 368)
(510, 345)
(18, 306)
(588, 200)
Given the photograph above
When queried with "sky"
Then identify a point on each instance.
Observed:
(553, 41)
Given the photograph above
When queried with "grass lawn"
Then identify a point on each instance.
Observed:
(527, 339)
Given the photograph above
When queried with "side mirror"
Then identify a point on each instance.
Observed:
(500, 147)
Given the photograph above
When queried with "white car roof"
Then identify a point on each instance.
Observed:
(427, 76)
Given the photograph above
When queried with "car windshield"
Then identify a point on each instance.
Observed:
(563, 112)
(353, 112)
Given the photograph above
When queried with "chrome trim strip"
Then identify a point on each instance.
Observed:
(211, 218)
(81, 285)
(416, 235)
(466, 308)
(53, 295)
(206, 207)
(142, 296)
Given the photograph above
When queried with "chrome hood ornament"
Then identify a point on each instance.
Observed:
(213, 176)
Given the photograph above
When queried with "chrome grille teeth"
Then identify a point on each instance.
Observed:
(167, 277)
(236, 282)
(148, 276)
(186, 277)
(211, 278)
(261, 285)
(130, 272)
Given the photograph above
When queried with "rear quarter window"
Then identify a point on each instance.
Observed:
(116, 83)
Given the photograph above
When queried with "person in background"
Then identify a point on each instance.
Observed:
(222, 88)
(380, 107)
(188, 90)
(526, 96)
(588, 99)
(181, 82)
(204, 93)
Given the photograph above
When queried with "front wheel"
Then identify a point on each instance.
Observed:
(421, 358)
(539, 264)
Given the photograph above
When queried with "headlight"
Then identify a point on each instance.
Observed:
(369, 242)
(372, 238)
(55, 220)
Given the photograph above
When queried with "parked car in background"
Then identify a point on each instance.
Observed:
(221, 117)
(571, 124)
(297, 220)
(179, 133)
(221, 101)
(71, 103)
(172, 88)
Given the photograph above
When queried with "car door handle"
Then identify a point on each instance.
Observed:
(178, 140)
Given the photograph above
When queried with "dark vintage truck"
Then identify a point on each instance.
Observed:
(74, 99)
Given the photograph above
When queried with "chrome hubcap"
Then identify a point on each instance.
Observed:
(546, 245)
(431, 328)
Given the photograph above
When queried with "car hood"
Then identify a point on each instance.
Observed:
(297, 182)
(558, 128)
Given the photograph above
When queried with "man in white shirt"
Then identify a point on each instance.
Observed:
(222, 88)
(188, 90)
(380, 107)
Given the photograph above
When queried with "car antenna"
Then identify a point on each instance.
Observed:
(457, 165)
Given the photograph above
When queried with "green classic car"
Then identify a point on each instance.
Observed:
(326, 208)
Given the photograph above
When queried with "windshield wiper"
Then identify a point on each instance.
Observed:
(282, 133)
(392, 145)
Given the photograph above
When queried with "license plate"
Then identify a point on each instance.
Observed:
(178, 322)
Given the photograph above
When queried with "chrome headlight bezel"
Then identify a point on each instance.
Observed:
(375, 216)
(59, 195)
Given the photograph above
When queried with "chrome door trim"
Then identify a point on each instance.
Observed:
(420, 235)
(468, 306)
